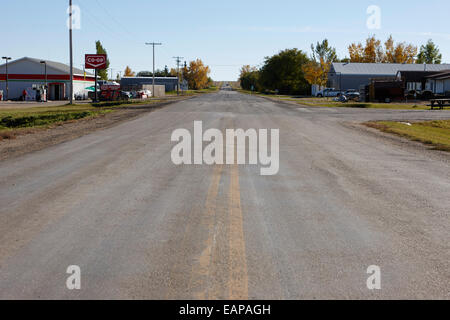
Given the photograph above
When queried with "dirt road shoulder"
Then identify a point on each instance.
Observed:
(28, 140)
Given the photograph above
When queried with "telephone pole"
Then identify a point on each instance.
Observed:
(7, 76)
(153, 44)
(71, 52)
(178, 60)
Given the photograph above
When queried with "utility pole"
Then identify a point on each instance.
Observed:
(178, 60)
(71, 52)
(46, 81)
(7, 86)
(45, 65)
(153, 44)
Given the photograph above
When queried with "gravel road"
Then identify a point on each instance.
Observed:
(140, 227)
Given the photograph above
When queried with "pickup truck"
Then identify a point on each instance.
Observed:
(329, 92)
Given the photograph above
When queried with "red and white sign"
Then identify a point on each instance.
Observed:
(96, 61)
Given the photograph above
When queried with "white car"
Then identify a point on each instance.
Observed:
(144, 94)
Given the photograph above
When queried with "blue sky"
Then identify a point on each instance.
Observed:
(224, 34)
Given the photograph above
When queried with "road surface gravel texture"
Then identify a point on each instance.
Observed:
(139, 227)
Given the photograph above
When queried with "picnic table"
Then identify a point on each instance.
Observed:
(439, 103)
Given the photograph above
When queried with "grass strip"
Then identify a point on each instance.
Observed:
(434, 133)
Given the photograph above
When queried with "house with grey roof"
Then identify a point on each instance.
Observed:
(345, 76)
(439, 83)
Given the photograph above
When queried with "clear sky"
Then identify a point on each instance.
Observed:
(224, 34)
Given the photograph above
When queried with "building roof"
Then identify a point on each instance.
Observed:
(52, 64)
(159, 78)
(384, 69)
(440, 76)
(415, 76)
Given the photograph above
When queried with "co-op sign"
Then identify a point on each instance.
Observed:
(96, 61)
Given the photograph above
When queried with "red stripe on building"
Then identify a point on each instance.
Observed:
(50, 77)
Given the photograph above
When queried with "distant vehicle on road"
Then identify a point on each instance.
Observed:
(328, 92)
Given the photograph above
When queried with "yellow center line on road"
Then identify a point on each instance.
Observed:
(238, 286)
(201, 272)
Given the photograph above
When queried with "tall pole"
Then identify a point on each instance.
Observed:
(45, 87)
(178, 60)
(71, 52)
(153, 44)
(7, 85)
(7, 77)
(95, 96)
(45, 71)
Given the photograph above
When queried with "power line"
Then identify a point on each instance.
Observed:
(178, 60)
(104, 8)
(153, 44)
(104, 26)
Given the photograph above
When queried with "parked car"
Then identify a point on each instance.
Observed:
(328, 92)
(127, 95)
(144, 94)
(352, 94)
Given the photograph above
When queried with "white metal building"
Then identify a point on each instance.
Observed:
(26, 72)
(345, 76)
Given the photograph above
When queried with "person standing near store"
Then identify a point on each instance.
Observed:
(24, 95)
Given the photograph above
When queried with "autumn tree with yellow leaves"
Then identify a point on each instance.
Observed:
(197, 75)
(374, 52)
(128, 72)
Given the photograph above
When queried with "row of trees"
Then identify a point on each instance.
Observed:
(196, 73)
(402, 52)
(292, 71)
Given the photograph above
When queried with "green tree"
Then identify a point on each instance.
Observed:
(284, 72)
(103, 73)
(249, 78)
(158, 73)
(316, 71)
(323, 51)
(429, 54)
(144, 74)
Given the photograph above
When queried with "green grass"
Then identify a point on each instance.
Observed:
(328, 103)
(43, 116)
(13, 121)
(433, 133)
(16, 118)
